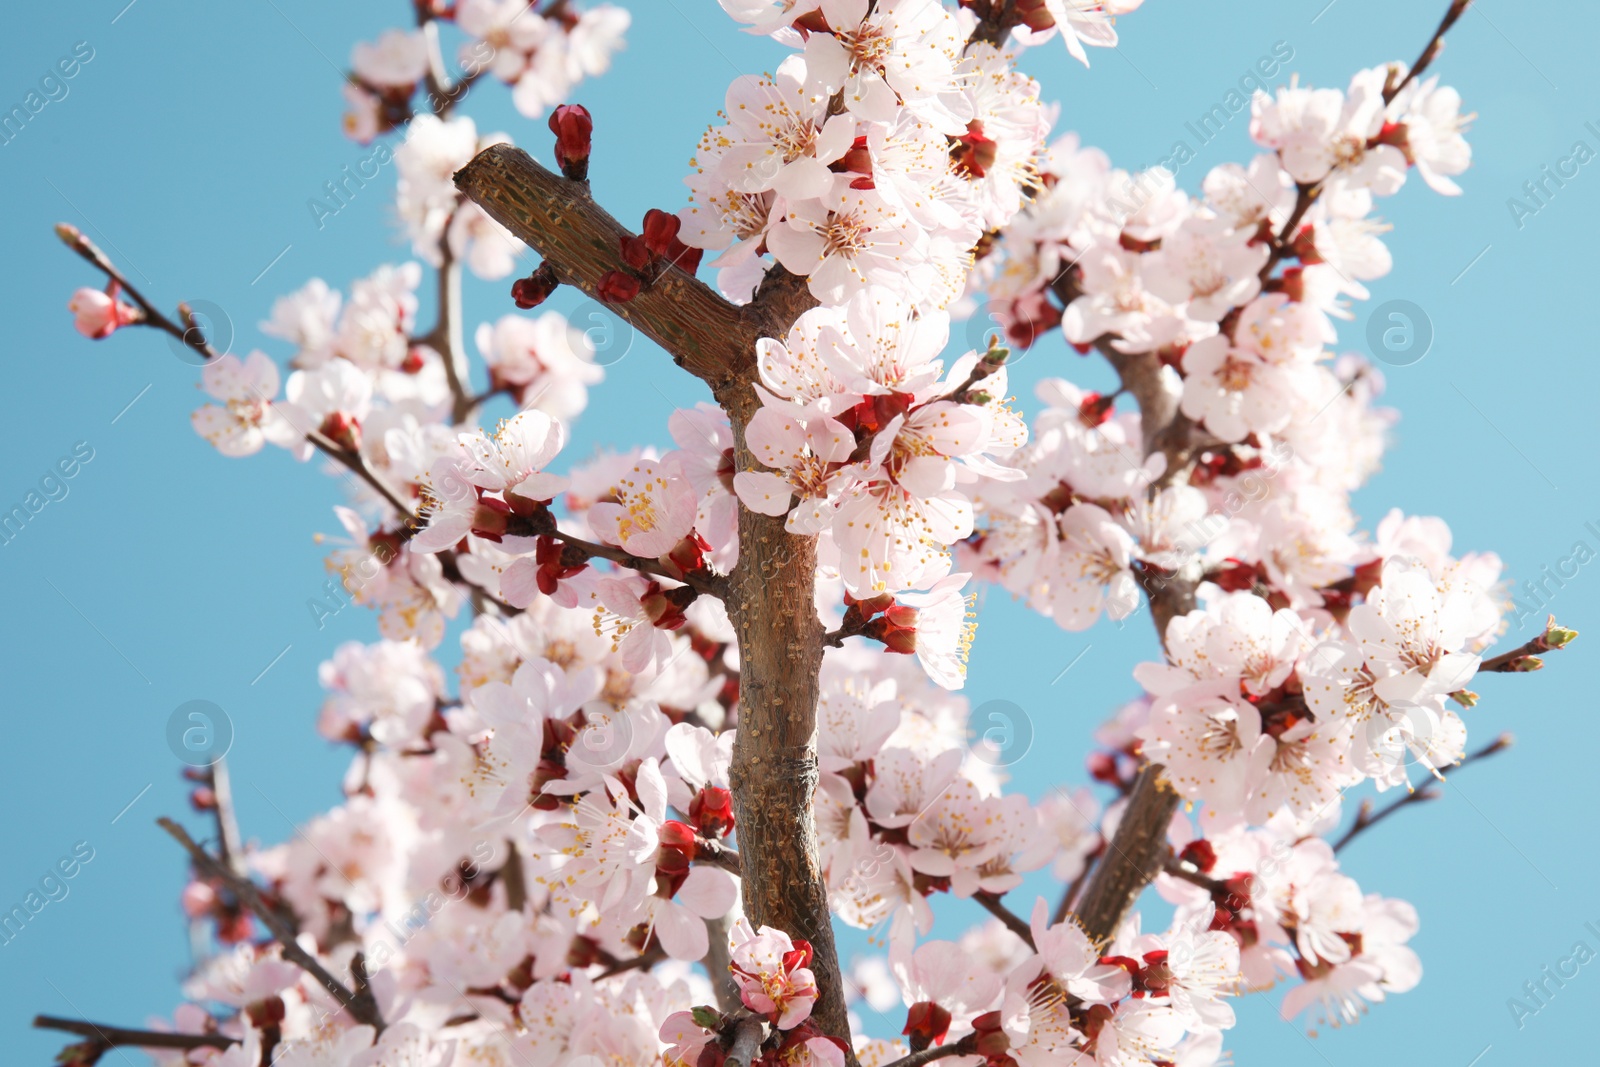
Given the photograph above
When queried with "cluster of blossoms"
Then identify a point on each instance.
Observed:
(529, 869)
(1319, 655)
(542, 51)
(878, 155)
(873, 445)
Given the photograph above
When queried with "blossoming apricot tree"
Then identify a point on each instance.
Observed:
(705, 706)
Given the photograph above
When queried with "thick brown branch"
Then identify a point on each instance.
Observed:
(746, 1043)
(110, 1037)
(360, 1007)
(774, 773)
(706, 335)
(1134, 856)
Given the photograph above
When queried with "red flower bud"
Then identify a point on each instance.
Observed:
(901, 617)
(1094, 409)
(992, 1041)
(344, 430)
(712, 811)
(536, 288)
(1200, 853)
(926, 1024)
(618, 288)
(1102, 767)
(574, 127)
(1035, 15)
(635, 252)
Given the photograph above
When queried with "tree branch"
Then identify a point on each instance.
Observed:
(705, 334)
(361, 1007)
(1525, 658)
(446, 336)
(228, 847)
(1070, 893)
(189, 333)
(110, 1037)
(1013, 922)
(746, 1042)
(718, 963)
(716, 854)
(1367, 818)
(964, 1047)
(1431, 50)
(1133, 857)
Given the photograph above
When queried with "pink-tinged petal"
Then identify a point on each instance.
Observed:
(444, 531)
(926, 476)
(802, 179)
(799, 248)
(763, 492)
(775, 437)
(681, 932)
(708, 892)
(830, 440)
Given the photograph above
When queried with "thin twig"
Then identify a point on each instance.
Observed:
(716, 854)
(1431, 50)
(228, 847)
(1179, 869)
(446, 336)
(964, 1047)
(189, 333)
(642, 962)
(1367, 818)
(111, 1037)
(361, 1007)
(1013, 922)
(718, 964)
(1526, 657)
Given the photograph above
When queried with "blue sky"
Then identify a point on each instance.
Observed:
(189, 146)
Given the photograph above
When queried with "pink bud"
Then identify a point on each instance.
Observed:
(97, 314)
(198, 899)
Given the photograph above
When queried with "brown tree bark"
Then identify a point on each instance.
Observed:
(770, 593)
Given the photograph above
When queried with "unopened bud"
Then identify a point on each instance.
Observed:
(617, 288)
(1558, 636)
(574, 128)
(536, 288)
(707, 1017)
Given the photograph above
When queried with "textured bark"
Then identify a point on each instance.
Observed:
(770, 594)
(774, 771)
(1136, 855)
(1139, 849)
(705, 334)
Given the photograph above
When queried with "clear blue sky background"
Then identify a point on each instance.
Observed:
(189, 147)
